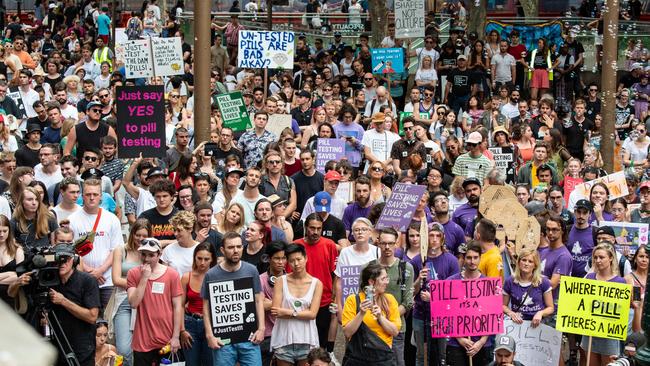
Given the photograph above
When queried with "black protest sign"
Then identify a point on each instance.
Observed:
(141, 121)
(232, 310)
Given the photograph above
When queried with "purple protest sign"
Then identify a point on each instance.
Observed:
(329, 149)
(350, 280)
(400, 206)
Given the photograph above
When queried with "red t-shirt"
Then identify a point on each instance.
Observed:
(516, 51)
(154, 323)
(321, 262)
(292, 169)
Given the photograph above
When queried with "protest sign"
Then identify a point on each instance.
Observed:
(464, 308)
(345, 191)
(504, 160)
(137, 59)
(570, 184)
(232, 310)
(615, 182)
(329, 149)
(14, 94)
(409, 18)
(233, 111)
(350, 281)
(507, 212)
(167, 56)
(401, 205)
(538, 346)
(493, 193)
(528, 234)
(387, 60)
(593, 308)
(120, 35)
(402, 115)
(348, 28)
(277, 123)
(265, 50)
(629, 236)
(141, 121)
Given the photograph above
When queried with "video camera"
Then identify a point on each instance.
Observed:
(43, 263)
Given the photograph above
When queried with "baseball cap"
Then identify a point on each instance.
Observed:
(92, 173)
(154, 172)
(333, 175)
(645, 184)
(461, 57)
(605, 230)
(474, 138)
(33, 128)
(635, 66)
(304, 94)
(64, 250)
(469, 181)
(505, 342)
(93, 104)
(322, 202)
(150, 245)
(584, 204)
(337, 34)
(234, 170)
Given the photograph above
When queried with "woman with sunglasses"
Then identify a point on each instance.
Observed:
(379, 192)
(179, 113)
(278, 219)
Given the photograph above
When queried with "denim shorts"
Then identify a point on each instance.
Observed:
(292, 352)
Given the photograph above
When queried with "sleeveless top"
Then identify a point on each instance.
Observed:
(194, 301)
(126, 265)
(87, 138)
(289, 331)
(9, 267)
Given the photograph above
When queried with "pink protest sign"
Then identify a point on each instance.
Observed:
(464, 308)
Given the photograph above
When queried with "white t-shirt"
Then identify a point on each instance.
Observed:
(62, 214)
(29, 98)
(249, 206)
(144, 202)
(47, 179)
(379, 144)
(70, 112)
(428, 75)
(636, 153)
(178, 257)
(350, 257)
(108, 235)
(421, 52)
(219, 203)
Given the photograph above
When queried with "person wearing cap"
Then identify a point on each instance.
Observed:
(378, 142)
(633, 77)
(92, 159)
(581, 241)
(147, 175)
(461, 84)
(274, 182)
(333, 227)
(337, 48)
(465, 214)
(154, 290)
(473, 164)
(504, 352)
(230, 189)
(331, 183)
(27, 155)
(605, 234)
(88, 134)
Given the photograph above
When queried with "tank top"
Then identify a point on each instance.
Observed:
(126, 265)
(87, 138)
(194, 301)
(295, 331)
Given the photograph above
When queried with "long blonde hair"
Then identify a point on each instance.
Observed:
(537, 271)
(225, 226)
(609, 248)
(41, 220)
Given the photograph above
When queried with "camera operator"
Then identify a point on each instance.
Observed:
(74, 302)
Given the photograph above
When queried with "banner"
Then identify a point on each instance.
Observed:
(328, 149)
(464, 308)
(350, 276)
(629, 236)
(528, 34)
(615, 182)
(141, 121)
(265, 50)
(504, 160)
(348, 29)
(593, 308)
(538, 346)
(233, 111)
(136, 56)
(387, 60)
(401, 205)
(232, 310)
(167, 56)
(277, 123)
(409, 18)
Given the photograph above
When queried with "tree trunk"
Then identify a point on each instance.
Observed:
(378, 21)
(477, 11)
(531, 8)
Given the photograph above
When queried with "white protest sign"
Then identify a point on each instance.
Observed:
(120, 35)
(168, 56)
(538, 346)
(409, 18)
(277, 123)
(136, 56)
(232, 309)
(615, 182)
(265, 50)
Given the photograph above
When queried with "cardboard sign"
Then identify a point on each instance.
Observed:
(233, 111)
(528, 234)
(504, 160)
(232, 310)
(265, 50)
(350, 276)
(141, 121)
(399, 209)
(535, 346)
(277, 123)
(409, 18)
(629, 236)
(507, 212)
(593, 308)
(167, 56)
(348, 28)
(136, 56)
(14, 93)
(494, 193)
(387, 60)
(328, 149)
(464, 308)
(615, 182)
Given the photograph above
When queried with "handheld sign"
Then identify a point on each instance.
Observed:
(401, 205)
(137, 59)
(535, 346)
(494, 193)
(466, 308)
(277, 123)
(141, 121)
(507, 212)
(629, 236)
(265, 50)
(409, 19)
(387, 60)
(350, 276)
(167, 56)
(233, 111)
(328, 149)
(424, 241)
(232, 310)
(14, 93)
(593, 308)
(615, 182)
(504, 160)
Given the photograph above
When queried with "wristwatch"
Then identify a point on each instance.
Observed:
(294, 314)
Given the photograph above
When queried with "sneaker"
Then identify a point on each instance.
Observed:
(335, 361)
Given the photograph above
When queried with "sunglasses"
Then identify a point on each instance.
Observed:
(469, 144)
(378, 169)
(95, 110)
(408, 128)
(428, 94)
(174, 96)
(90, 158)
(593, 90)
(150, 242)
(103, 96)
(274, 162)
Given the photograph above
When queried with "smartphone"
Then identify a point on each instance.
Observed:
(370, 293)
(637, 293)
(210, 148)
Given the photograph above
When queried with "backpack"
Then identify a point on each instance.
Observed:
(133, 29)
(401, 280)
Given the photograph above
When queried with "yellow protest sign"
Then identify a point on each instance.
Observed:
(593, 308)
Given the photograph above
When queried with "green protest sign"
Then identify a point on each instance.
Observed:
(403, 115)
(233, 111)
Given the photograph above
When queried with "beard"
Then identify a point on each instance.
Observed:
(363, 201)
(473, 198)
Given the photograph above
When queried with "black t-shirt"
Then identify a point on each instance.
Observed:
(575, 49)
(333, 228)
(462, 81)
(575, 135)
(303, 118)
(447, 59)
(28, 238)
(593, 108)
(26, 157)
(215, 239)
(81, 288)
(629, 80)
(307, 187)
(220, 158)
(160, 226)
(36, 121)
(256, 260)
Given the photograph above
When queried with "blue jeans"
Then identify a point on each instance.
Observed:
(245, 353)
(123, 334)
(200, 354)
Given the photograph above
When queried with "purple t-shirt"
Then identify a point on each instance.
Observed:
(554, 261)
(617, 279)
(606, 216)
(464, 216)
(452, 341)
(440, 268)
(402, 254)
(454, 236)
(353, 212)
(524, 301)
(580, 245)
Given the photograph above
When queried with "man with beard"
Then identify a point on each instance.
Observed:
(250, 195)
(540, 158)
(465, 214)
(41, 117)
(112, 166)
(581, 240)
(48, 171)
(88, 88)
(322, 256)
(52, 133)
(510, 109)
(264, 215)
(258, 101)
(225, 148)
(88, 133)
(67, 111)
(361, 205)
(203, 232)
(27, 155)
(454, 235)
(406, 146)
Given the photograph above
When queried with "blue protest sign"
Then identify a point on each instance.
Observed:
(387, 60)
